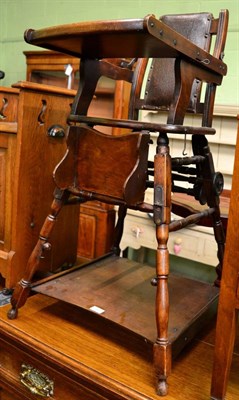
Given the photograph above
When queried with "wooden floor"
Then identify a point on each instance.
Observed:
(191, 374)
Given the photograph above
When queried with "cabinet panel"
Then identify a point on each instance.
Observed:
(8, 142)
(2, 190)
(96, 226)
(87, 231)
(8, 104)
(7, 395)
(15, 361)
(28, 155)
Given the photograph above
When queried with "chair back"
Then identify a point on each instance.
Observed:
(161, 88)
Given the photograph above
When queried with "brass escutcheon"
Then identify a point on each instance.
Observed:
(37, 382)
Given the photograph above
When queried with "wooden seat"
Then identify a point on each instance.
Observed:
(229, 295)
(118, 170)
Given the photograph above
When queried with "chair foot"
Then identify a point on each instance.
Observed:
(162, 366)
(217, 281)
(19, 298)
(162, 387)
(12, 314)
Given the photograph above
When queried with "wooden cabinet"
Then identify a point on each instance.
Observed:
(69, 364)
(96, 225)
(50, 67)
(29, 151)
(97, 220)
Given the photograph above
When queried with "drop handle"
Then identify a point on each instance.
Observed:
(56, 131)
(137, 231)
(36, 382)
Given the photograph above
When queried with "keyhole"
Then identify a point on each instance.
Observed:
(41, 116)
(4, 106)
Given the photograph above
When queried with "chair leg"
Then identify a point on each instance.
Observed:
(210, 191)
(219, 235)
(162, 208)
(162, 347)
(119, 229)
(23, 288)
(224, 345)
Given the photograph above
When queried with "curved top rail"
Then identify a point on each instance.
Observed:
(125, 38)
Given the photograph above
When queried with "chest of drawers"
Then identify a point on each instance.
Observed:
(72, 357)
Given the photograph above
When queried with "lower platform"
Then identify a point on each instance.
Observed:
(119, 294)
(84, 364)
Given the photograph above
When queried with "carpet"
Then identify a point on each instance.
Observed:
(4, 299)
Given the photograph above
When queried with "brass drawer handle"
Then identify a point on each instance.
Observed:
(36, 381)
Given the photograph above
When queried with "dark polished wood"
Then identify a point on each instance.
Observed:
(229, 295)
(106, 39)
(116, 169)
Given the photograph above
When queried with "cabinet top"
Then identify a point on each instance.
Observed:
(126, 38)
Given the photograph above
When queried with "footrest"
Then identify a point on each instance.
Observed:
(119, 291)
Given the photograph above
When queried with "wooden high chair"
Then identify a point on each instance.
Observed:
(229, 295)
(117, 170)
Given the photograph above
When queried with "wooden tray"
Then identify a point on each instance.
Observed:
(119, 291)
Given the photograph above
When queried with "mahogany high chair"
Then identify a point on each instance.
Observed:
(116, 169)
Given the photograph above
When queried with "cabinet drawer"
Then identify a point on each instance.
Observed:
(196, 244)
(62, 384)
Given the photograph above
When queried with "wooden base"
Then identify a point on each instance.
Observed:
(119, 293)
(53, 337)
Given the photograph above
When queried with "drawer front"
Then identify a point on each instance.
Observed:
(187, 243)
(34, 379)
(6, 394)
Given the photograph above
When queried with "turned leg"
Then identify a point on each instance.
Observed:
(162, 348)
(119, 229)
(219, 235)
(23, 288)
(162, 207)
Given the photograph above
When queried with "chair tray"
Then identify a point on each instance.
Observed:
(119, 290)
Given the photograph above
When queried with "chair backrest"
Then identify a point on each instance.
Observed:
(160, 85)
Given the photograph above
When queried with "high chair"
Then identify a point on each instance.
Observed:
(116, 169)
